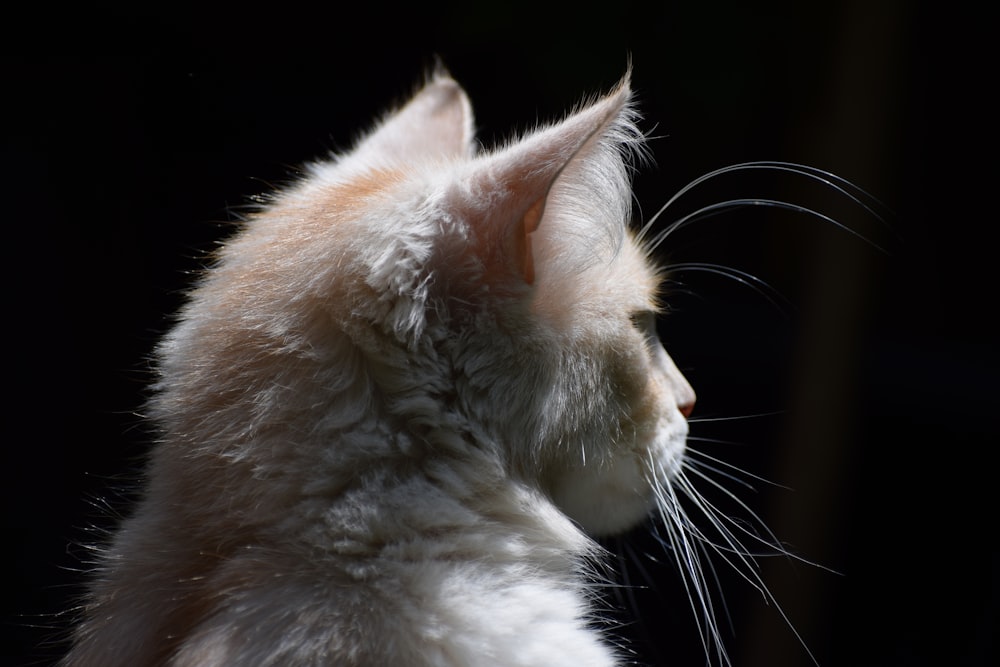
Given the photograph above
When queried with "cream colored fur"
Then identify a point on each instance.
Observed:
(397, 407)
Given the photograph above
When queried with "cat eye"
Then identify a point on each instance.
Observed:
(642, 319)
(644, 322)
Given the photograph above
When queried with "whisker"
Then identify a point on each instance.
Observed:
(718, 521)
(755, 415)
(691, 452)
(711, 441)
(751, 572)
(719, 518)
(724, 206)
(693, 526)
(837, 183)
(733, 476)
(746, 279)
(689, 556)
(694, 549)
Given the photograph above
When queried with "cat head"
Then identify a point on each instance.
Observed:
(500, 291)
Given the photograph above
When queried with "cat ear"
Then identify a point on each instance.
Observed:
(510, 191)
(435, 123)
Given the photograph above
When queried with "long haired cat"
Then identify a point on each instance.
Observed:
(399, 407)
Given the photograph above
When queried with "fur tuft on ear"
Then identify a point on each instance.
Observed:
(437, 123)
(511, 194)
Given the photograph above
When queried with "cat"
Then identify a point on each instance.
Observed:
(400, 406)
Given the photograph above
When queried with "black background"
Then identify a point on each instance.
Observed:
(130, 139)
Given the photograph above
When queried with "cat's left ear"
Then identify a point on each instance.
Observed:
(509, 192)
(435, 123)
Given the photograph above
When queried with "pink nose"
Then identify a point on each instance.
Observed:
(686, 409)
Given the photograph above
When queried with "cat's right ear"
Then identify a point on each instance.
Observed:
(577, 162)
(436, 123)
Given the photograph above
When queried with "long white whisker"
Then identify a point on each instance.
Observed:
(731, 545)
(719, 518)
(691, 546)
(725, 464)
(732, 476)
(771, 541)
(741, 540)
(679, 530)
(747, 279)
(710, 441)
(729, 204)
(755, 415)
(841, 185)
(751, 574)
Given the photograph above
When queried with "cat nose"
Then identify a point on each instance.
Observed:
(684, 395)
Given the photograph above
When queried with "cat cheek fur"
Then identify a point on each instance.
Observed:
(613, 486)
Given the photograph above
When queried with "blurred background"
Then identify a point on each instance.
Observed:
(866, 393)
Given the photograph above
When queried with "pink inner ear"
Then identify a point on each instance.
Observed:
(529, 223)
(515, 183)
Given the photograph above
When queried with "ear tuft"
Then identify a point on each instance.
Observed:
(435, 124)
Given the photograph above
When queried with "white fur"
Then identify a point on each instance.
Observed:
(394, 405)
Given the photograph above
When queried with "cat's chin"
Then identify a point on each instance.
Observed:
(613, 496)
